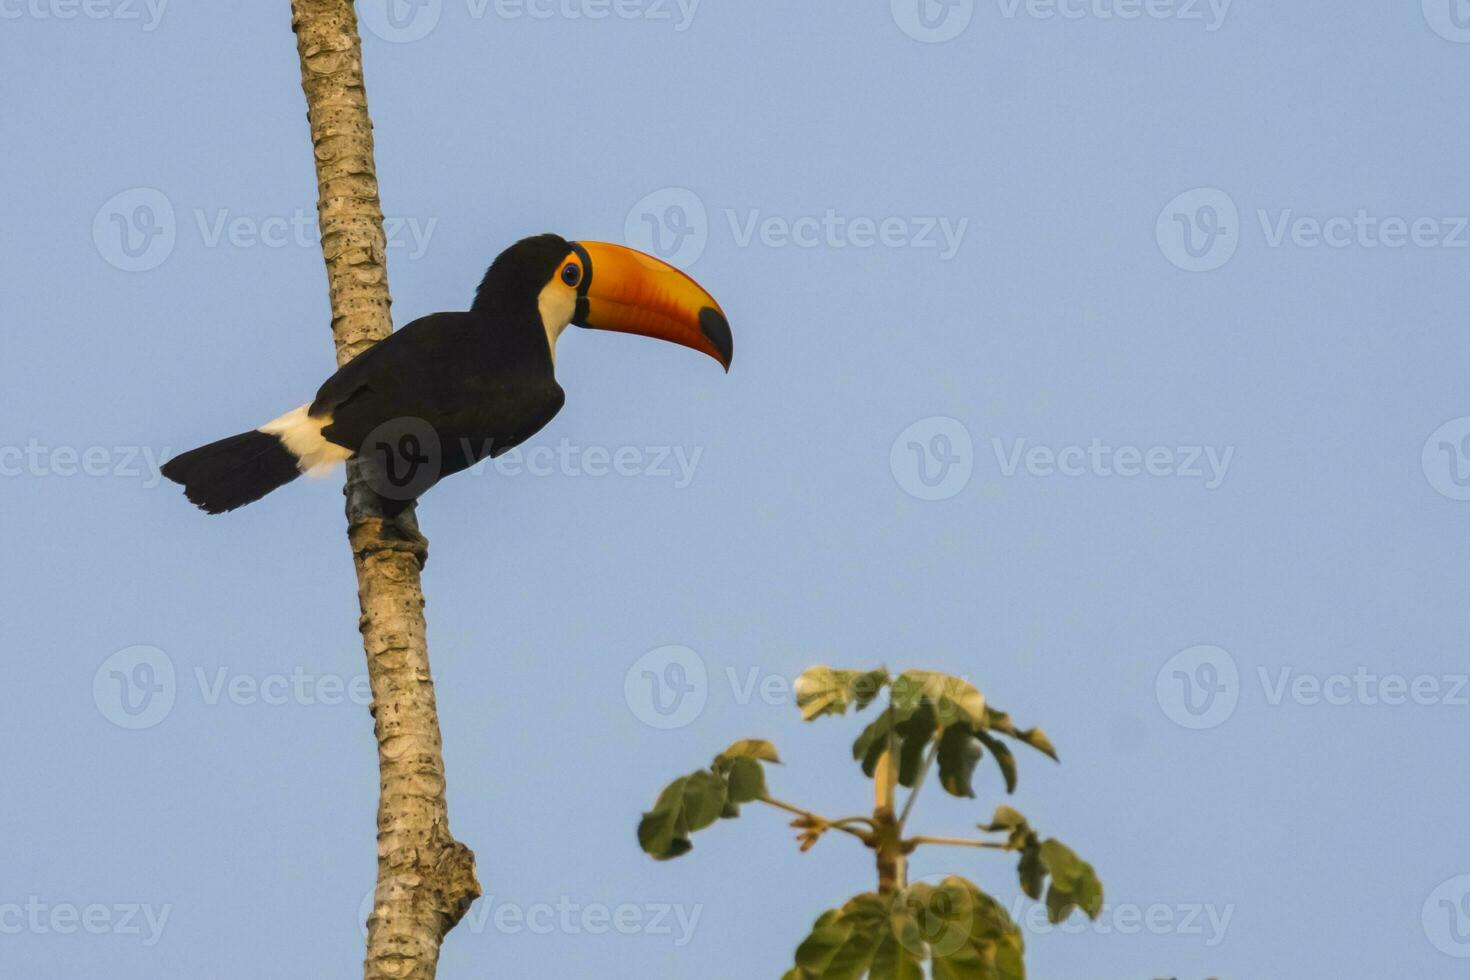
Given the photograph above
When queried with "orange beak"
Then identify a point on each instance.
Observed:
(627, 291)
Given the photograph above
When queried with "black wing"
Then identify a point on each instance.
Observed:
(443, 370)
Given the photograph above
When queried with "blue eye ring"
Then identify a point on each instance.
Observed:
(571, 274)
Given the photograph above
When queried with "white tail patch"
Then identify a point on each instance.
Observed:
(301, 434)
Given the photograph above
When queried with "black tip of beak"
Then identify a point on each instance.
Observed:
(716, 329)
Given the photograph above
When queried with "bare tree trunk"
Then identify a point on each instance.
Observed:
(426, 879)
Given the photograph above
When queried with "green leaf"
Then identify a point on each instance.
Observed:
(1036, 738)
(912, 732)
(817, 949)
(894, 961)
(853, 958)
(1003, 758)
(704, 798)
(963, 933)
(914, 735)
(747, 780)
(688, 804)
(1033, 875)
(1006, 818)
(952, 698)
(969, 935)
(871, 744)
(999, 721)
(749, 748)
(1020, 836)
(843, 942)
(959, 753)
(659, 828)
(867, 687)
(825, 691)
(964, 963)
(1074, 884)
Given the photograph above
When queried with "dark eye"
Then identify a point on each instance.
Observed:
(571, 274)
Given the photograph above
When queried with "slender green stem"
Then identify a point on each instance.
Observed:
(955, 842)
(844, 824)
(918, 784)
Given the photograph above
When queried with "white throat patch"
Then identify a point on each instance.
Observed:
(557, 303)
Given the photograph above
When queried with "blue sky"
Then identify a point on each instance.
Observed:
(1110, 354)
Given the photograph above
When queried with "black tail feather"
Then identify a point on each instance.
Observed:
(233, 472)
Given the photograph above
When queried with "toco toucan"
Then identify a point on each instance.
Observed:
(452, 388)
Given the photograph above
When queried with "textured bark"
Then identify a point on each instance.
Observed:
(426, 879)
(892, 865)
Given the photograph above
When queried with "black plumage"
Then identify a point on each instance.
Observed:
(450, 389)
